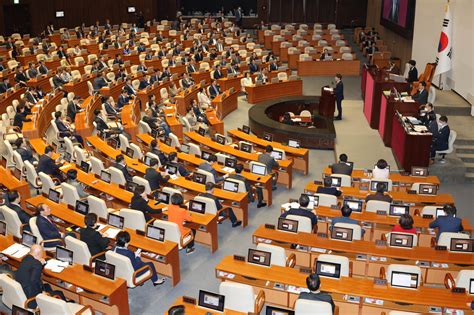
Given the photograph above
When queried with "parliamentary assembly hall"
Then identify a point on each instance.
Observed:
(264, 157)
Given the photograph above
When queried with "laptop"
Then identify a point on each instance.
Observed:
(115, 220)
(211, 300)
(105, 176)
(267, 136)
(259, 257)
(259, 169)
(82, 207)
(205, 155)
(65, 255)
(440, 212)
(202, 131)
(419, 171)
(246, 147)
(246, 129)
(168, 141)
(131, 186)
(342, 234)
(28, 239)
(146, 160)
(293, 143)
(404, 280)
(155, 233)
(197, 206)
(54, 195)
(184, 148)
(230, 186)
(355, 205)
(336, 181)
(328, 269)
(199, 178)
(428, 189)
(163, 197)
(104, 269)
(398, 210)
(287, 225)
(171, 169)
(401, 240)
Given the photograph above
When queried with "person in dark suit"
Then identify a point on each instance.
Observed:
(58, 82)
(345, 218)
(186, 81)
(109, 106)
(129, 87)
(101, 126)
(122, 166)
(89, 235)
(32, 72)
(14, 200)
(392, 66)
(426, 115)
(313, 283)
(20, 117)
(258, 190)
(25, 151)
(394, 13)
(123, 99)
(218, 73)
(4, 86)
(422, 95)
(140, 203)
(327, 189)
(253, 67)
(154, 177)
(342, 167)
(413, 72)
(20, 77)
(29, 276)
(30, 95)
(339, 94)
(214, 89)
(207, 166)
(230, 213)
(302, 211)
(73, 108)
(379, 194)
(47, 165)
(64, 128)
(440, 138)
(267, 159)
(191, 67)
(155, 149)
(144, 82)
(123, 239)
(448, 223)
(173, 161)
(42, 68)
(100, 82)
(325, 55)
(48, 230)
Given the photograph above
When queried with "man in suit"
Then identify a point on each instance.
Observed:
(262, 76)
(422, 95)
(339, 94)
(427, 114)
(30, 96)
(118, 59)
(20, 116)
(238, 16)
(140, 203)
(325, 55)
(191, 67)
(253, 67)
(25, 152)
(20, 77)
(144, 82)
(47, 165)
(64, 129)
(42, 68)
(155, 149)
(344, 218)
(440, 140)
(109, 106)
(142, 67)
(327, 188)
(210, 194)
(156, 76)
(302, 211)
(4, 85)
(207, 166)
(129, 87)
(259, 191)
(413, 72)
(122, 166)
(379, 194)
(394, 13)
(48, 230)
(93, 239)
(270, 163)
(101, 125)
(29, 276)
(73, 108)
(123, 99)
(173, 161)
(218, 73)
(447, 223)
(72, 180)
(58, 82)
(214, 89)
(14, 200)
(100, 82)
(32, 72)
(219, 46)
(313, 283)
(154, 177)
(273, 66)
(186, 81)
(198, 56)
(231, 70)
(342, 167)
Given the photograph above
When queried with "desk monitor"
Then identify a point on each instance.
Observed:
(54, 195)
(440, 212)
(220, 139)
(287, 225)
(82, 207)
(428, 189)
(336, 181)
(471, 286)
(202, 131)
(231, 186)
(105, 176)
(419, 171)
(355, 205)
(277, 155)
(401, 240)
(59, 14)
(340, 233)
(155, 233)
(168, 141)
(131, 9)
(104, 269)
(163, 197)
(267, 136)
(64, 254)
(230, 162)
(28, 239)
(398, 210)
(374, 183)
(246, 129)
(404, 280)
(199, 178)
(463, 245)
(258, 169)
(278, 311)
(259, 257)
(115, 220)
(245, 147)
(184, 148)
(16, 310)
(205, 155)
(197, 206)
(146, 160)
(3, 228)
(328, 269)
(129, 152)
(211, 300)
(293, 143)
(171, 169)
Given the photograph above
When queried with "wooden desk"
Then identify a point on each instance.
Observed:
(265, 278)
(225, 103)
(8, 180)
(328, 68)
(38, 127)
(184, 98)
(79, 88)
(271, 91)
(201, 75)
(7, 98)
(227, 83)
(215, 123)
(194, 309)
(42, 82)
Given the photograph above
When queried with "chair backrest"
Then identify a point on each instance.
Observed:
(70, 194)
(12, 291)
(81, 254)
(210, 204)
(97, 166)
(194, 149)
(445, 238)
(133, 219)
(304, 223)
(326, 200)
(415, 237)
(238, 296)
(19, 164)
(463, 279)
(356, 229)
(12, 220)
(403, 268)
(143, 182)
(137, 152)
(347, 56)
(174, 140)
(346, 180)
(342, 260)
(123, 266)
(80, 155)
(98, 206)
(51, 305)
(172, 231)
(145, 128)
(452, 138)
(46, 182)
(278, 256)
(374, 205)
(35, 230)
(31, 175)
(171, 191)
(308, 307)
(124, 143)
(116, 176)
(282, 76)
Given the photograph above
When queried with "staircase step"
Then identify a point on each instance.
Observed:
(464, 148)
(464, 141)
(466, 157)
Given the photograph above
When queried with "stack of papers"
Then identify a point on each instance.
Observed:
(56, 265)
(111, 232)
(16, 250)
(173, 176)
(328, 89)
(289, 205)
(228, 169)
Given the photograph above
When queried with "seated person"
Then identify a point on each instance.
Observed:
(270, 163)
(342, 167)
(25, 151)
(173, 161)
(154, 177)
(179, 215)
(203, 99)
(20, 117)
(214, 89)
(426, 114)
(325, 55)
(210, 194)
(313, 283)
(94, 240)
(140, 203)
(302, 211)
(405, 225)
(345, 218)
(328, 189)
(421, 95)
(208, 166)
(447, 223)
(14, 200)
(122, 166)
(379, 194)
(72, 180)
(150, 120)
(103, 129)
(246, 81)
(48, 230)
(48, 166)
(237, 175)
(381, 170)
(65, 130)
(440, 140)
(155, 149)
(109, 106)
(287, 119)
(122, 241)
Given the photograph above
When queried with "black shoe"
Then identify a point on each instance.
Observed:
(189, 251)
(238, 223)
(274, 188)
(338, 118)
(160, 281)
(263, 204)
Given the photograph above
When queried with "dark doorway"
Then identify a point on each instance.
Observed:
(17, 19)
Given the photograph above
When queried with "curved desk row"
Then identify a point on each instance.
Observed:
(274, 91)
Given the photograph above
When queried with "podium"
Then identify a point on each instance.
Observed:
(376, 81)
(327, 103)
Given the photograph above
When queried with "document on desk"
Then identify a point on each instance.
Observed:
(55, 265)
(328, 89)
(16, 250)
(111, 232)
(228, 169)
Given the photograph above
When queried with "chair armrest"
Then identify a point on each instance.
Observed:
(85, 308)
(384, 237)
(382, 273)
(449, 282)
(259, 302)
(150, 221)
(291, 260)
(52, 240)
(91, 260)
(417, 212)
(31, 299)
(350, 268)
(134, 276)
(433, 242)
(336, 310)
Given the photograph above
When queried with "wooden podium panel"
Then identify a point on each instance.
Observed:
(327, 103)
(265, 92)
(328, 68)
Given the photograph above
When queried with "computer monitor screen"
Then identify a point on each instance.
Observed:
(340, 233)
(246, 147)
(246, 129)
(267, 136)
(28, 239)
(374, 183)
(355, 205)
(147, 160)
(129, 152)
(401, 240)
(59, 14)
(259, 169)
(288, 225)
(3, 228)
(463, 245)
(82, 207)
(404, 280)
(104, 269)
(220, 139)
(54, 195)
(184, 148)
(163, 197)
(335, 181)
(278, 311)
(199, 178)
(277, 155)
(197, 206)
(155, 233)
(259, 257)
(16, 310)
(328, 269)
(419, 171)
(202, 131)
(230, 162)
(471, 286)
(231, 186)
(171, 169)
(211, 300)
(428, 189)
(293, 143)
(205, 155)
(115, 220)
(398, 210)
(63, 254)
(440, 212)
(105, 176)
(131, 10)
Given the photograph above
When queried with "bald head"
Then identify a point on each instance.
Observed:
(37, 251)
